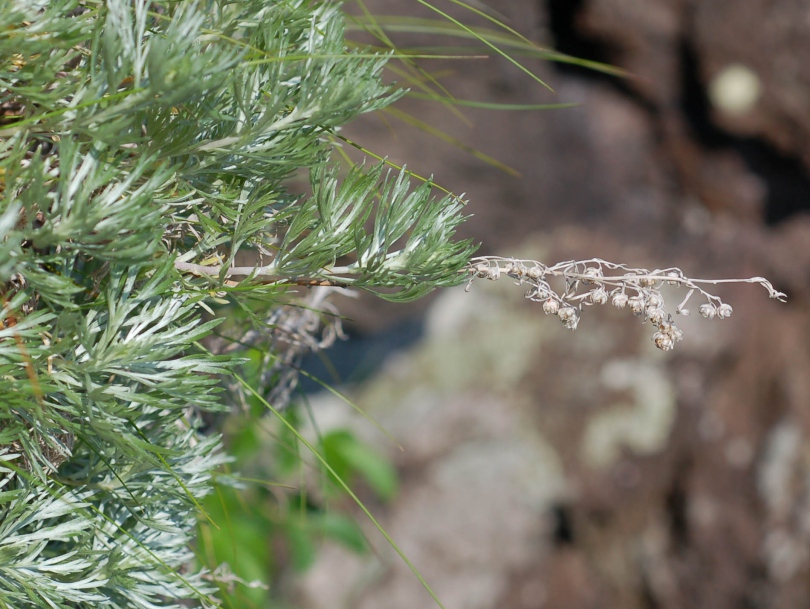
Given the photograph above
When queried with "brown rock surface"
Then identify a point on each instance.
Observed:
(586, 470)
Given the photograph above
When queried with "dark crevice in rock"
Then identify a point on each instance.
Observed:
(675, 503)
(786, 179)
(563, 526)
(569, 38)
(648, 599)
(358, 358)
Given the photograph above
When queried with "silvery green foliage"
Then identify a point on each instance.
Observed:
(144, 144)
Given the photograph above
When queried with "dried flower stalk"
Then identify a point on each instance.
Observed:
(597, 281)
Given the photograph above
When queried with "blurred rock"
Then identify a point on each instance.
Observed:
(543, 468)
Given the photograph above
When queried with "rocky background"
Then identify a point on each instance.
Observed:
(543, 468)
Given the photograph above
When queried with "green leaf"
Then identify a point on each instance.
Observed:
(348, 456)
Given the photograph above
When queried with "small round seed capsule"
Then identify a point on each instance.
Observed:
(663, 341)
(569, 317)
(724, 310)
(636, 304)
(592, 272)
(656, 316)
(551, 307)
(655, 300)
(598, 296)
(619, 300)
(708, 310)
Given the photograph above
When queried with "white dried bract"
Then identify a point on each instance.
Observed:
(635, 289)
(534, 272)
(663, 341)
(656, 316)
(655, 300)
(708, 310)
(569, 317)
(619, 300)
(598, 296)
(636, 304)
(592, 272)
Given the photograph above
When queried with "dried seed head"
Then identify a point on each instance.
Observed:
(569, 317)
(619, 300)
(518, 269)
(636, 289)
(592, 271)
(636, 304)
(708, 310)
(598, 296)
(534, 273)
(656, 316)
(654, 299)
(663, 341)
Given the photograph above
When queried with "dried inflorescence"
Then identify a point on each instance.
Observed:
(596, 281)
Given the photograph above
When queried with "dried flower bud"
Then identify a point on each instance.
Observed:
(708, 310)
(592, 271)
(482, 270)
(569, 317)
(619, 300)
(654, 299)
(656, 316)
(676, 333)
(663, 341)
(724, 310)
(598, 296)
(647, 282)
(534, 273)
(551, 307)
(674, 279)
(636, 304)
(494, 273)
